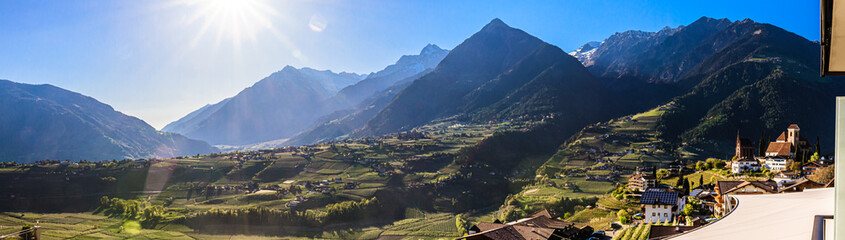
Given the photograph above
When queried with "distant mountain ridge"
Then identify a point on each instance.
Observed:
(502, 73)
(276, 107)
(585, 52)
(722, 76)
(406, 66)
(43, 122)
(498, 73)
(294, 100)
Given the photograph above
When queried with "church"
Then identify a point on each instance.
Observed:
(789, 145)
(778, 154)
(744, 156)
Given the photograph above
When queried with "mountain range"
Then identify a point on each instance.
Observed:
(720, 76)
(708, 69)
(294, 100)
(275, 107)
(499, 73)
(41, 122)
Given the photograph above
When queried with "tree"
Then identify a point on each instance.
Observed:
(661, 174)
(768, 173)
(763, 143)
(823, 175)
(719, 164)
(818, 147)
(815, 157)
(689, 210)
(680, 182)
(714, 163)
(794, 166)
(701, 166)
(623, 216)
(700, 180)
(804, 156)
(461, 224)
(686, 186)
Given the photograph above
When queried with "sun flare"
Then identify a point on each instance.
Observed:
(231, 20)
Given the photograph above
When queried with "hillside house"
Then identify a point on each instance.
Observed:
(641, 182)
(810, 168)
(800, 184)
(740, 165)
(676, 167)
(775, 164)
(725, 188)
(540, 225)
(660, 206)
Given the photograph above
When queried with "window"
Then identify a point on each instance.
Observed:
(665, 214)
(653, 214)
(665, 207)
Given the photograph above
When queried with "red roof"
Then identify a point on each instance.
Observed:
(781, 148)
(538, 226)
(782, 137)
(542, 213)
(644, 176)
(513, 232)
(815, 163)
(486, 226)
(793, 126)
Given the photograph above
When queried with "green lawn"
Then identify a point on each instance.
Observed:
(597, 218)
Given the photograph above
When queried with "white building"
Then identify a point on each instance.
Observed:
(660, 206)
(775, 164)
(740, 165)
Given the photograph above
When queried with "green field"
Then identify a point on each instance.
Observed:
(421, 171)
(190, 185)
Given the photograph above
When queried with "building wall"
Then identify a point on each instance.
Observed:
(738, 166)
(655, 213)
(776, 164)
(750, 189)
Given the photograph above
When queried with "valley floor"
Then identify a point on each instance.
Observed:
(429, 177)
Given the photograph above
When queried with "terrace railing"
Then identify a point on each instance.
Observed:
(819, 229)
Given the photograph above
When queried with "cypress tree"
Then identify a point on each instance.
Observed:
(700, 180)
(680, 181)
(818, 147)
(763, 143)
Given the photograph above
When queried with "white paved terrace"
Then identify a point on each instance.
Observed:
(770, 216)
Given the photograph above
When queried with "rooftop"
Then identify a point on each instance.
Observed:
(655, 197)
(729, 186)
(781, 148)
(770, 216)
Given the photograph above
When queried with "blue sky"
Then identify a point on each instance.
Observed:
(160, 59)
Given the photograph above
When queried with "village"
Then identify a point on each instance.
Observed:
(614, 179)
(675, 200)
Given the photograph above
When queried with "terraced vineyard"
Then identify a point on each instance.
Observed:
(411, 163)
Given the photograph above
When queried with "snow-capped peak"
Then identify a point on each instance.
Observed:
(430, 48)
(584, 53)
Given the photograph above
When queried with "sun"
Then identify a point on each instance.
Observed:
(230, 20)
